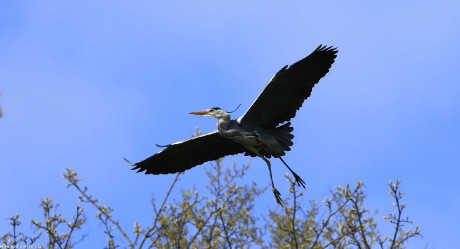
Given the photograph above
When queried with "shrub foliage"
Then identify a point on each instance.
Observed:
(225, 217)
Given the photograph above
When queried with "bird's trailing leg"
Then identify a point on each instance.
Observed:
(275, 191)
(298, 180)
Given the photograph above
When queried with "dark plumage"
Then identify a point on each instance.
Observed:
(263, 131)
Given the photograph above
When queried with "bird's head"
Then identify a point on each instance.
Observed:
(213, 112)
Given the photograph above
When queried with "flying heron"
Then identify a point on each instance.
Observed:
(263, 131)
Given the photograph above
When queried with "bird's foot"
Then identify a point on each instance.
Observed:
(299, 180)
(277, 196)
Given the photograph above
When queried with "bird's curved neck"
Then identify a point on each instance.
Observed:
(224, 122)
(225, 117)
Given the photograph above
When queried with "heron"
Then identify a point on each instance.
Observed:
(264, 131)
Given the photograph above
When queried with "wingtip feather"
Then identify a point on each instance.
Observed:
(129, 162)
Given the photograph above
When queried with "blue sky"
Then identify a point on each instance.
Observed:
(85, 83)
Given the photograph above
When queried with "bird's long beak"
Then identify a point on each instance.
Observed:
(202, 112)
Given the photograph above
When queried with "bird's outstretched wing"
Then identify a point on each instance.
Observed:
(184, 155)
(287, 90)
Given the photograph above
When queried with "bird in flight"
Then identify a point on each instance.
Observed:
(263, 131)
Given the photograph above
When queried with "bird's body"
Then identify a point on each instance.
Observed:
(263, 131)
(256, 140)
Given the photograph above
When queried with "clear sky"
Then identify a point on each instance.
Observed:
(85, 83)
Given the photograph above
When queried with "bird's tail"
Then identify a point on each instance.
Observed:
(283, 135)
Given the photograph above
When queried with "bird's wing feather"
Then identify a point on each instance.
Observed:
(287, 90)
(183, 155)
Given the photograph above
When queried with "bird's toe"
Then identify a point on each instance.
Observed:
(277, 196)
(299, 180)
